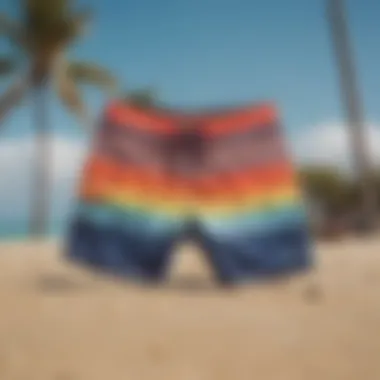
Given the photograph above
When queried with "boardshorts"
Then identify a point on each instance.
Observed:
(223, 179)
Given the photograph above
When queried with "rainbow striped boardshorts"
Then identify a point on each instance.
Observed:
(224, 179)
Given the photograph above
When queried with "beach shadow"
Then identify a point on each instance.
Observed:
(59, 283)
(191, 284)
(313, 294)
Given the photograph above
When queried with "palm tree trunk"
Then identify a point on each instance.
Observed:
(40, 190)
(354, 111)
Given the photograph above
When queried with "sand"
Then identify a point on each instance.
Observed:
(63, 323)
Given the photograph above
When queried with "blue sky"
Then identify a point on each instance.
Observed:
(219, 52)
(206, 52)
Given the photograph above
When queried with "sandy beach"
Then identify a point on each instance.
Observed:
(59, 322)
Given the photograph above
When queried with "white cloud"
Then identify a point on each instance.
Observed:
(16, 168)
(329, 144)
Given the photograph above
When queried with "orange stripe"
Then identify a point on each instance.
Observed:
(96, 189)
(101, 175)
(106, 169)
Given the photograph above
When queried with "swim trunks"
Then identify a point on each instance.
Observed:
(154, 177)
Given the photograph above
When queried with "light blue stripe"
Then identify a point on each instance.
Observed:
(250, 222)
(107, 215)
(257, 222)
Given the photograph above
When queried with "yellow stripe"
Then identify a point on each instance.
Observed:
(188, 204)
(253, 204)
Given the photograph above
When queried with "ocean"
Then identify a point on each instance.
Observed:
(18, 230)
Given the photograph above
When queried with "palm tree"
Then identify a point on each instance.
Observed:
(337, 17)
(40, 40)
(142, 98)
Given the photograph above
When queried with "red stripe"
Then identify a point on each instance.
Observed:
(212, 123)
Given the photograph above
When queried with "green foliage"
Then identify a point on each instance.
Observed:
(90, 73)
(8, 66)
(336, 191)
(50, 23)
(332, 189)
(142, 98)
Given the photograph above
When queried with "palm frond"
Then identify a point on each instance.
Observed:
(8, 66)
(79, 22)
(52, 24)
(11, 29)
(45, 12)
(142, 98)
(12, 97)
(89, 73)
(70, 96)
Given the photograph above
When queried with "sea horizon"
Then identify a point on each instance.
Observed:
(19, 230)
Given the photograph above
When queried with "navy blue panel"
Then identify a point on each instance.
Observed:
(140, 255)
(119, 251)
(258, 256)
